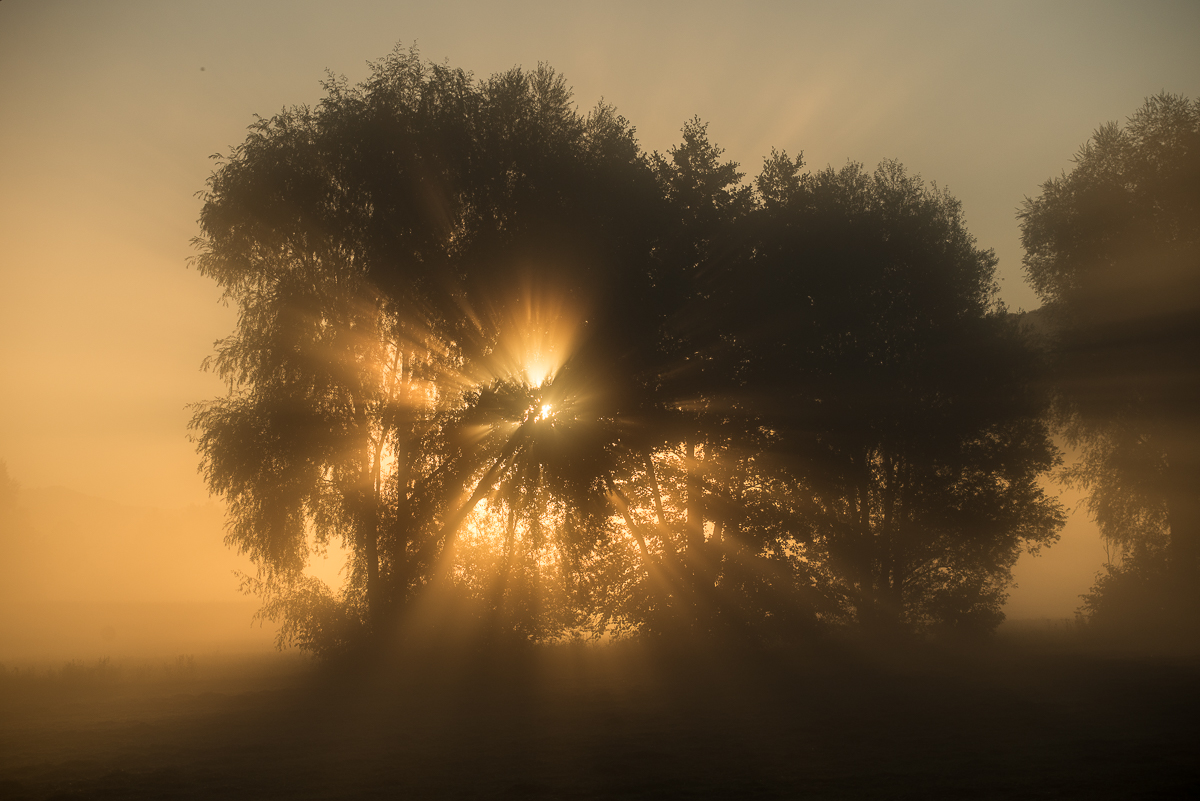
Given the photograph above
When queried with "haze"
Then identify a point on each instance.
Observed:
(111, 111)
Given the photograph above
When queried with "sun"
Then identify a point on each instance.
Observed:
(547, 410)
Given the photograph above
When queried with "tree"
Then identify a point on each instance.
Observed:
(1113, 249)
(705, 200)
(507, 359)
(406, 258)
(896, 394)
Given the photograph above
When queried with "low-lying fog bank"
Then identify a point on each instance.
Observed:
(48, 632)
(1008, 719)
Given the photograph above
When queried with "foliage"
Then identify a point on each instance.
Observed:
(1132, 597)
(513, 364)
(1111, 248)
(900, 393)
(378, 248)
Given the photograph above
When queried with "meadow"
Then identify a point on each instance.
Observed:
(1028, 715)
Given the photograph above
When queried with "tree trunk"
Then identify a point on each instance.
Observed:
(370, 527)
(652, 475)
(694, 525)
(370, 535)
(703, 600)
(449, 530)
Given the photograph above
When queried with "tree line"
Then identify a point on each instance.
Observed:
(513, 362)
(1113, 248)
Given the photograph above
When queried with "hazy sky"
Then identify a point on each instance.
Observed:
(111, 109)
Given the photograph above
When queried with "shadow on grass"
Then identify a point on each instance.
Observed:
(1016, 717)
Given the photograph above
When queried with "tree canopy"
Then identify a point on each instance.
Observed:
(1112, 248)
(905, 393)
(516, 364)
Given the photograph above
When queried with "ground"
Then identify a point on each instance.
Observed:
(1007, 720)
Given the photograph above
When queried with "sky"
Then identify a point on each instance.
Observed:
(111, 111)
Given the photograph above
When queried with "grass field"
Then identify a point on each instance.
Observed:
(1015, 719)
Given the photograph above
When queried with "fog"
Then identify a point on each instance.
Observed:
(120, 105)
(86, 578)
(133, 662)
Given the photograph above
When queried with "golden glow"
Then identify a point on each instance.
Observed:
(532, 335)
(537, 332)
(104, 328)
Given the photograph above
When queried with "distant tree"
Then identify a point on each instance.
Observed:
(1113, 249)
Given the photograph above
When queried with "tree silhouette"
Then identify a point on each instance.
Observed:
(896, 394)
(513, 364)
(385, 251)
(1111, 248)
